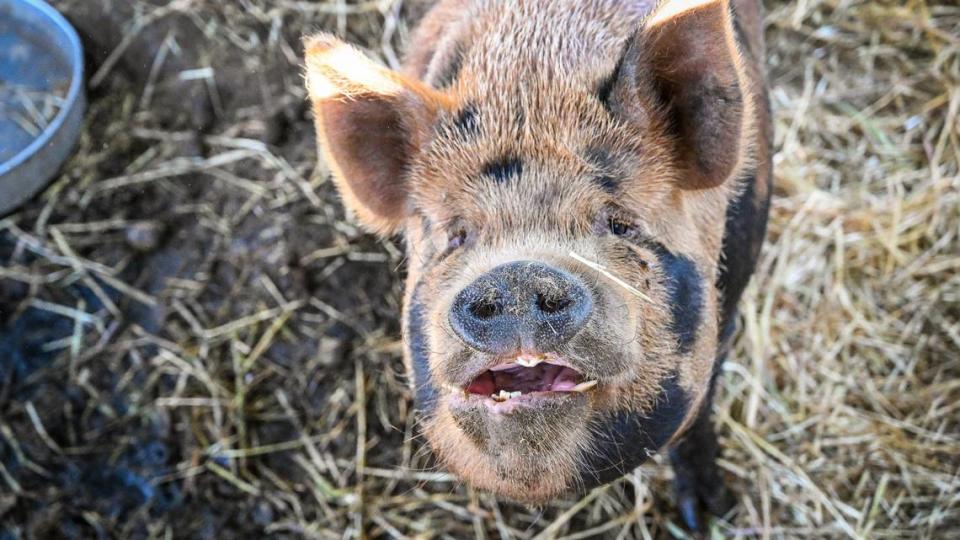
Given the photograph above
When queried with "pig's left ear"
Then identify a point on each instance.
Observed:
(683, 69)
(370, 121)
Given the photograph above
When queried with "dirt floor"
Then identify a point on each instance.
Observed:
(195, 344)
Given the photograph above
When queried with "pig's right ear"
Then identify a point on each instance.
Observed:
(683, 69)
(370, 121)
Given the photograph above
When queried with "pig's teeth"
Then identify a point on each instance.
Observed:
(529, 361)
(584, 386)
(503, 395)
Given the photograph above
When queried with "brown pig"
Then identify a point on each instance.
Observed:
(583, 188)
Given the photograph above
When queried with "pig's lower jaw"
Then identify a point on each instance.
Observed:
(539, 447)
(530, 455)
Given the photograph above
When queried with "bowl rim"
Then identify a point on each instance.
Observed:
(75, 57)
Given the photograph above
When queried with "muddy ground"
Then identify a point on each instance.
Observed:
(194, 343)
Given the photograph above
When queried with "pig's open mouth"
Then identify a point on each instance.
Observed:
(528, 375)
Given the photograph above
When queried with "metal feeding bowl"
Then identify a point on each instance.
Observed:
(42, 97)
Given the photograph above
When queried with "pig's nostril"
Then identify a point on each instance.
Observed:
(481, 317)
(552, 304)
(485, 309)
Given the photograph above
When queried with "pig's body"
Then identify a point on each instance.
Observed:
(583, 186)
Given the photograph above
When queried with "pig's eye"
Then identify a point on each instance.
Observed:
(457, 239)
(619, 227)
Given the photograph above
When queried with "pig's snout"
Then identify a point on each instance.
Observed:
(521, 306)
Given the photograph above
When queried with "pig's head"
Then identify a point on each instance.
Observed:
(563, 225)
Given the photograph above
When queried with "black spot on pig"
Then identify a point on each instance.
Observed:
(605, 88)
(746, 224)
(425, 394)
(467, 122)
(503, 169)
(684, 296)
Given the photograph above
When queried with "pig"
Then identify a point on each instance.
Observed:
(582, 187)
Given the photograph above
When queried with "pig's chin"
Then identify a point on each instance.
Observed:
(527, 451)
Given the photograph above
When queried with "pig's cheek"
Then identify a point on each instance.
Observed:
(625, 439)
(617, 333)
